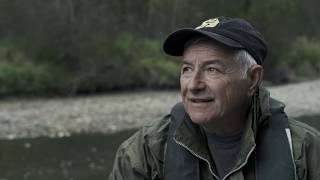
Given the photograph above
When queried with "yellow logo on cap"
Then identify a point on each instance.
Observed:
(209, 23)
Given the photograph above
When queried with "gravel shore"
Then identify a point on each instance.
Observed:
(59, 117)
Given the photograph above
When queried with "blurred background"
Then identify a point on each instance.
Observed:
(82, 46)
(73, 72)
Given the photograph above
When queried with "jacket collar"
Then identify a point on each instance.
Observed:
(192, 137)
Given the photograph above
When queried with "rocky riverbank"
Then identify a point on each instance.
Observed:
(59, 117)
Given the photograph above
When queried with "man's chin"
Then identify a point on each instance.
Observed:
(199, 119)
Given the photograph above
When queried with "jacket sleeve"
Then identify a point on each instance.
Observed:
(312, 155)
(130, 161)
(141, 156)
(306, 150)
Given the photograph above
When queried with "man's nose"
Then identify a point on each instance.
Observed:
(196, 82)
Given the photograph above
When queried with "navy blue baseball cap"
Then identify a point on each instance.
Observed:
(233, 32)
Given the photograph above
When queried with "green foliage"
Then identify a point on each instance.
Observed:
(303, 58)
(124, 44)
(24, 77)
(18, 74)
(142, 64)
(158, 70)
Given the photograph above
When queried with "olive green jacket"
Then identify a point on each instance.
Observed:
(141, 157)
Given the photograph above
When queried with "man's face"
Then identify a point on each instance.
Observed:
(211, 87)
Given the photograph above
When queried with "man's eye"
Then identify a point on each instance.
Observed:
(212, 69)
(186, 69)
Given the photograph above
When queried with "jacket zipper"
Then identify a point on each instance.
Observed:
(204, 159)
(241, 165)
(198, 156)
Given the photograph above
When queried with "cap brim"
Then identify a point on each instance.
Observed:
(175, 42)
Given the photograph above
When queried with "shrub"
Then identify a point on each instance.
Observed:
(303, 58)
(139, 63)
(19, 74)
(26, 78)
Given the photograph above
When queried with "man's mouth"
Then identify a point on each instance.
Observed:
(200, 100)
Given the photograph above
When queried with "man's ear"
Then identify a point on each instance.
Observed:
(255, 76)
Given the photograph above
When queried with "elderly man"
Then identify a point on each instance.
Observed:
(227, 127)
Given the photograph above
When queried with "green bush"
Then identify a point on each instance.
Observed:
(303, 58)
(19, 74)
(138, 63)
(25, 78)
(159, 70)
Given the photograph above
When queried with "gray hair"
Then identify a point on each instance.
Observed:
(245, 61)
(241, 57)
